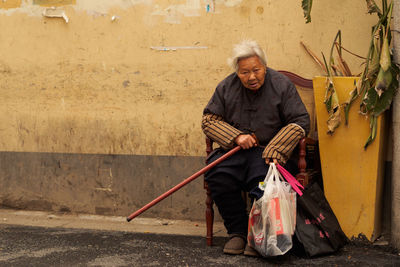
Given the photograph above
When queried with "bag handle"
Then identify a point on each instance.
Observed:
(286, 174)
(290, 179)
(272, 178)
(269, 180)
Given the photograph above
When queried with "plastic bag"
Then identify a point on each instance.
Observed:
(272, 219)
(318, 231)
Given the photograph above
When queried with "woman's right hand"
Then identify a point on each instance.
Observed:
(245, 141)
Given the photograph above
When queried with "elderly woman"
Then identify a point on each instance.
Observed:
(260, 110)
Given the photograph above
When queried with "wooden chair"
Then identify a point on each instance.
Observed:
(307, 150)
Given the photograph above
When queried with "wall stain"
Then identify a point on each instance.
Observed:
(50, 3)
(244, 11)
(10, 4)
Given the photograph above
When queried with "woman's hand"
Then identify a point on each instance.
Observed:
(268, 161)
(246, 141)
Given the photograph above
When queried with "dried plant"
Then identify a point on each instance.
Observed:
(378, 81)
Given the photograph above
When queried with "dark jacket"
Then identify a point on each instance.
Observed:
(263, 112)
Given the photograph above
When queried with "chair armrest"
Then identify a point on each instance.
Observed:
(302, 176)
(209, 145)
(302, 164)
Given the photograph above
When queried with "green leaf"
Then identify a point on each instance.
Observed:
(383, 103)
(373, 66)
(384, 5)
(383, 81)
(373, 7)
(369, 100)
(331, 59)
(349, 101)
(385, 100)
(372, 135)
(385, 61)
(326, 65)
(307, 5)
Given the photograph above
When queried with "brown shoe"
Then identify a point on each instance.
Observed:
(249, 251)
(235, 245)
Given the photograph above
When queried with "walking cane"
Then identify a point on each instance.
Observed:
(183, 183)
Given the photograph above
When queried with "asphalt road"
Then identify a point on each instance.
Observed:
(46, 246)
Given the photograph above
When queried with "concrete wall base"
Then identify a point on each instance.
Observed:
(101, 184)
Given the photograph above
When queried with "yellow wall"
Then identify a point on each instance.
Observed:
(95, 85)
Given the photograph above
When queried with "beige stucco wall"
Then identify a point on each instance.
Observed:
(95, 85)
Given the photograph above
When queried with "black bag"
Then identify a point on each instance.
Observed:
(317, 230)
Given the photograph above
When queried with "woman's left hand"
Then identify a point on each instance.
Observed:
(268, 161)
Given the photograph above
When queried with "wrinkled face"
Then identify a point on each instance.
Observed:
(251, 72)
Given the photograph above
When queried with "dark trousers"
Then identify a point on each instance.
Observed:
(241, 172)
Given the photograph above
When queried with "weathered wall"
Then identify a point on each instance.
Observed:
(128, 80)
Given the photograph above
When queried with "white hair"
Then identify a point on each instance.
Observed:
(245, 49)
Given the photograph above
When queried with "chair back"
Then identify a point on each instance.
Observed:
(305, 89)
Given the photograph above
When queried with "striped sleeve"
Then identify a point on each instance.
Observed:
(219, 131)
(282, 145)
